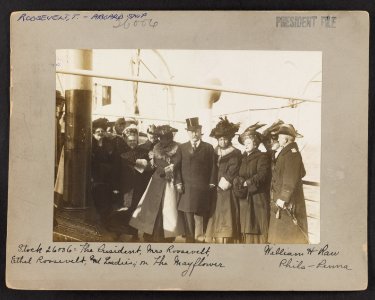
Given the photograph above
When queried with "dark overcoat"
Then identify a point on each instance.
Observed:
(148, 209)
(102, 162)
(287, 174)
(256, 170)
(224, 210)
(103, 176)
(131, 179)
(148, 145)
(198, 171)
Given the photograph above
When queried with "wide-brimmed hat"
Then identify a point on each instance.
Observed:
(192, 124)
(100, 123)
(289, 129)
(164, 130)
(131, 130)
(273, 129)
(251, 131)
(224, 129)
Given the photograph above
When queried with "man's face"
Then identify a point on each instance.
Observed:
(151, 137)
(274, 142)
(121, 128)
(132, 141)
(223, 142)
(99, 134)
(195, 135)
(282, 140)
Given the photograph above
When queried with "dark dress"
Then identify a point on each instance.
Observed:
(224, 220)
(102, 177)
(157, 213)
(254, 208)
(119, 147)
(291, 225)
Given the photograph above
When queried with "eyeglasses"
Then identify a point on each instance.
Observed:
(99, 131)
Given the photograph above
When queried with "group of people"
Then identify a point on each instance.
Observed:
(164, 189)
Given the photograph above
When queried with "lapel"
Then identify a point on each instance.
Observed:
(286, 149)
(199, 148)
(190, 148)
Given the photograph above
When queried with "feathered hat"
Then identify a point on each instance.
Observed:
(163, 130)
(224, 129)
(251, 131)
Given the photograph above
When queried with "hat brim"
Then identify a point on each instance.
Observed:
(193, 128)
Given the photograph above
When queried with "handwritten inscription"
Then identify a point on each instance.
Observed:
(296, 260)
(137, 22)
(125, 21)
(186, 260)
(183, 258)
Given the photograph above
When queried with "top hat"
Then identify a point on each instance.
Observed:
(224, 129)
(289, 129)
(251, 131)
(193, 124)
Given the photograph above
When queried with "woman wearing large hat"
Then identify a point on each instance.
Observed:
(252, 188)
(223, 223)
(157, 215)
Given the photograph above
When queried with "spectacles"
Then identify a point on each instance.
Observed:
(99, 131)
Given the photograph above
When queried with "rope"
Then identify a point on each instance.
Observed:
(260, 109)
(148, 69)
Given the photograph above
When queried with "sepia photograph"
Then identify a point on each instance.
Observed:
(150, 152)
(187, 146)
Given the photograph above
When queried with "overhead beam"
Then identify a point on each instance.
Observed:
(179, 84)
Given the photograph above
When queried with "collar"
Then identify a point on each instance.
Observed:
(255, 150)
(223, 152)
(288, 147)
(196, 144)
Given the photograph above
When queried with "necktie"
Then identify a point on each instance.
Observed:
(194, 147)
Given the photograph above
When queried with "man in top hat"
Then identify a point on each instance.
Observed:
(288, 221)
(198, 177)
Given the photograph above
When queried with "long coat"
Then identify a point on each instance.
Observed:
(102, 161)
(130, 178)
(286, 185)
(256, 171)
(102, 175)
(224, 211)
(198, 170)
(161, 195)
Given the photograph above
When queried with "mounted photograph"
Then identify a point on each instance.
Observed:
(187, 146)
